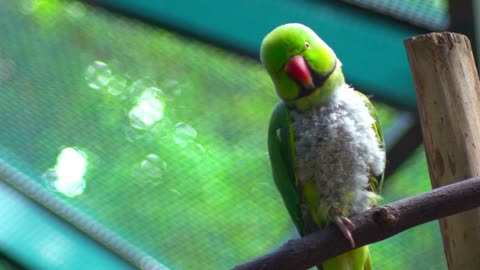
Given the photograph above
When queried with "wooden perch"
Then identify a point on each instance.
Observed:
(448, 97)
(371, 226)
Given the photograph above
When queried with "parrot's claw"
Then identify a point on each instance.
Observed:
(345, 226)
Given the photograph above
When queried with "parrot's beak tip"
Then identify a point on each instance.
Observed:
(297, 69)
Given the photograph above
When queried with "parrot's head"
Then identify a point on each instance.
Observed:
(304, 69)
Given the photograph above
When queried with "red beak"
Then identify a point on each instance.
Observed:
(298, 70)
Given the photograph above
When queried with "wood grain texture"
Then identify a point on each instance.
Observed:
(448, 98)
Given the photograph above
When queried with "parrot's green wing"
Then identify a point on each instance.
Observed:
(281, 148)
(375, 181)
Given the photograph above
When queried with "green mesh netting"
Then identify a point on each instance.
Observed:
(160, 138)
(432, 14)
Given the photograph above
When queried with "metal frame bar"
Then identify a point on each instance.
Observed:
(38, 217)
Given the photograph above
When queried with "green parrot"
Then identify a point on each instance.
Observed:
(326, 148)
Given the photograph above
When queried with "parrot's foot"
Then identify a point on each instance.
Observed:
(345, 226)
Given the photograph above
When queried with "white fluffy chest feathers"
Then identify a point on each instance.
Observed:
(336, 148)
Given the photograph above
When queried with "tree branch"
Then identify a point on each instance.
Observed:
(372, 226)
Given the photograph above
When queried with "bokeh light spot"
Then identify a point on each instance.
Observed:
(98, 75)
(149, 109)
(153, 166)
(67, 175)
(184, 134)
(117, 85)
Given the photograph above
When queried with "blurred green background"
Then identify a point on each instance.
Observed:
(120, 126)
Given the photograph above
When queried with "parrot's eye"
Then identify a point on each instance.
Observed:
(307, 45)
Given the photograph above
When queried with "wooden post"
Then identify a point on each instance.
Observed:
(448, 97)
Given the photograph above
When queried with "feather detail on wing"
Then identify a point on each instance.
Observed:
(281, 148)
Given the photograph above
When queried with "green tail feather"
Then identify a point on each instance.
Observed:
(357, 259)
